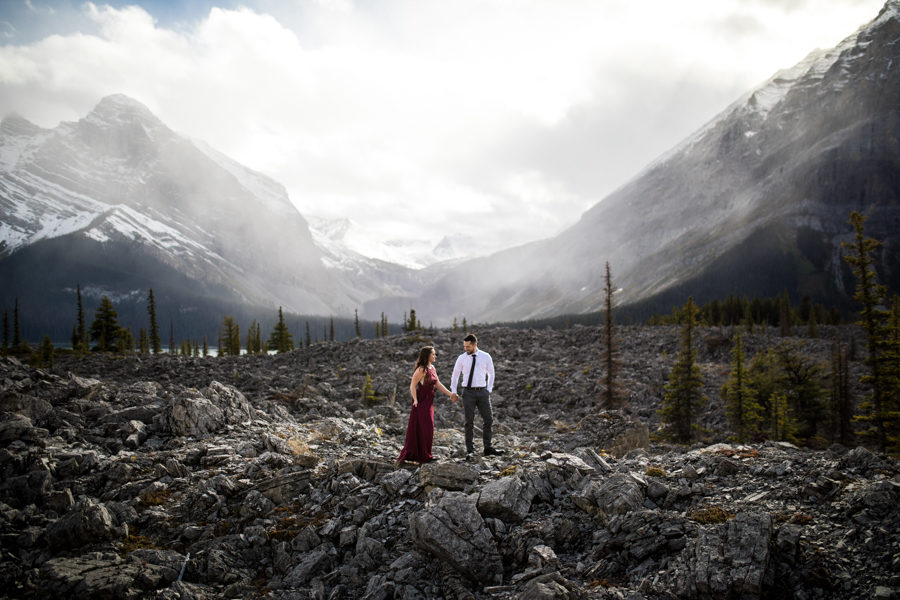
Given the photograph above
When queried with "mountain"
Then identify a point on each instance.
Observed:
(753, 203)
(119, 203)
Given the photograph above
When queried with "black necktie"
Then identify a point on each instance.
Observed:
(471, 371)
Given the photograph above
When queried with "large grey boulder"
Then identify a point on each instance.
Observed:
(451, 529)
(87, 523)
(449, 476)
(191, 414)
(98, 575)
(616, 495)
(507, 499)
(731, 560)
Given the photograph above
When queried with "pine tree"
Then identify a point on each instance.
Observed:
(356, 323)
(368, 391)
(46, 353)
(613, 396)
(412, 324)
(5, 332)
(257, 340)
(801, 382)
(143, 341)
(873, 319)
(229, 337)
(125, 341)
(155, 341)
(465, 326)
(331, 329)
(455, 325)
(784, 314)
(172, 348)
(377, 330)
(308, 337)
(82, 344)
(251, 339)
(784, 427)
(384, 325)
(841, 408)
(205, 347)
(684, 397)
(105, 327)
(891, 355)
(17, 336)
(745, 415)
(281, 339)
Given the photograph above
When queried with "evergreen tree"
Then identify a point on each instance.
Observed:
(331, 329)
(377, 330)
(125, 341)
(356, 323)
(613, 396)
(258, 340)
(384, 325)
(802, 379)
(784, 314)
(143, 341)
(368, 391)
(155, 341)
(841, 408)
(205, 347)
(465, 326)
(281, 339)
(784, 427)
(308, 337)
(75, 342)
(891, 371)
(455, 325)
(17, 336)
(812, 325)
(5, 332)
(745, 415)
(81, 344)
(873, 318)
(172, 348)
(251, 339)
(412, 324)
(46, 353)
(105, 327)
(684, 397)
(229, 337)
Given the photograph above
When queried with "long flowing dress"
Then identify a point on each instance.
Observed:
(420, 428)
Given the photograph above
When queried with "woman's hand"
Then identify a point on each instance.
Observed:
(415, 403)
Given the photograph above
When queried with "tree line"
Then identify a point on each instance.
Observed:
(106, 334)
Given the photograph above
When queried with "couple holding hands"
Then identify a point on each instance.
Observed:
(477, 371)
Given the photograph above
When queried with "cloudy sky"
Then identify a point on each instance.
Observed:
(500, 119)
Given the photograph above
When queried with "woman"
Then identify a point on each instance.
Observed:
(420, 428)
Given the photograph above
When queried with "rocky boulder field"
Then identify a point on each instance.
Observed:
(275, 477)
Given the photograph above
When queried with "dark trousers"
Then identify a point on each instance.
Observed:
(477, 398)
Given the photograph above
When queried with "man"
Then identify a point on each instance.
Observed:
(477, 371)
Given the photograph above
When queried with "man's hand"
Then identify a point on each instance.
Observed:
(454, 397)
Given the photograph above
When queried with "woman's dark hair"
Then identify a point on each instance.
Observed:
(424, 355)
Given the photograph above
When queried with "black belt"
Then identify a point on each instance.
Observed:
(474, 388)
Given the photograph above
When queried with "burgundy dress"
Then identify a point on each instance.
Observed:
(420, 429)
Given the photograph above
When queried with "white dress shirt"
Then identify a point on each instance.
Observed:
(483, 375)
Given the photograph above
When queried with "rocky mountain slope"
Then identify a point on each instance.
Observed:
(271, 476)
(755, 202)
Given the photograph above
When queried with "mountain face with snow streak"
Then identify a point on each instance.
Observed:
(754, 203)
(78, 199)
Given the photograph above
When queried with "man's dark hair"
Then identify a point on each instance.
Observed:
(471, 338)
